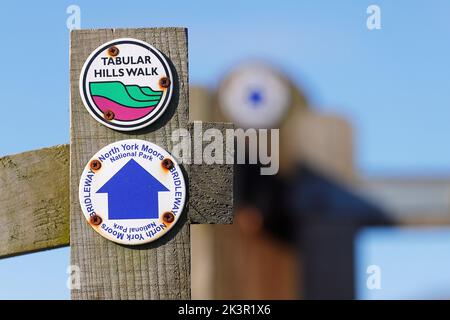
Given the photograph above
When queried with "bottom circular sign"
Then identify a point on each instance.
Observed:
(132, 192)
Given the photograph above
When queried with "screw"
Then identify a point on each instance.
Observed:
(109, 115)
(95, 165)
(164, 82)
(167, 164)
(168, 217)
(113, 51)
(95, 220)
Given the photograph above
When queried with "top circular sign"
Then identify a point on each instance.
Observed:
(255, 96)
(126, 84)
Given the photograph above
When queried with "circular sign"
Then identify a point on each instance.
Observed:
(132, 192)
(126, 84)
(255, 96)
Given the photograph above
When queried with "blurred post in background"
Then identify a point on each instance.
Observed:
(261, 255)
(306, 232)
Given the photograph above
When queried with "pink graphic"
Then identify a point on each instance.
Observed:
(121, 112)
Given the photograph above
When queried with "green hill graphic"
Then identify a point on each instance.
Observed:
(132, 96)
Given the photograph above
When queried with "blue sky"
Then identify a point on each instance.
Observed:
(393, 83)
(414, 263)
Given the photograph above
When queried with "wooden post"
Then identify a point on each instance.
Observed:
(34, 201)
(160, 270)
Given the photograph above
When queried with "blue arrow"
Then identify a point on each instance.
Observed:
(132, 193)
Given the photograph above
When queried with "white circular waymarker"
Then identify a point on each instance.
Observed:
(126, 84)
(255, 96)
(132, 192)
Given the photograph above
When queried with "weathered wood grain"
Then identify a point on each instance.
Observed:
(160, 270)
(211, 185)
(34, 201)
